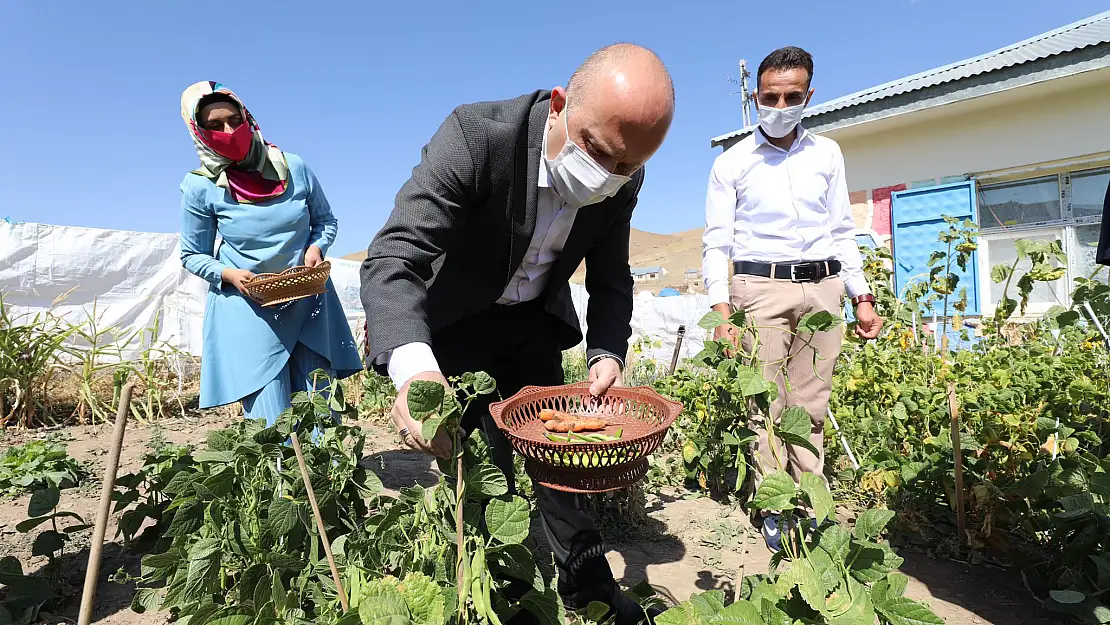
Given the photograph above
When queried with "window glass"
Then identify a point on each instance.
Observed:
(1088, 192)
(1018, 203)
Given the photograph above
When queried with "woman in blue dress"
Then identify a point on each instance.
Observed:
(271, 214)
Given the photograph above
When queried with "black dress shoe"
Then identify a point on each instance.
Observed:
(627, 610)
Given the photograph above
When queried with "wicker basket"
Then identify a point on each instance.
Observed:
(271, 289)
(641, 413)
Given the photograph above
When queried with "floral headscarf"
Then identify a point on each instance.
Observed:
(261, 176)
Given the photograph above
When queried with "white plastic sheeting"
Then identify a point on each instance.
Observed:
(131, 277)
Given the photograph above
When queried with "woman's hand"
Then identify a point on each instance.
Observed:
(237, 278)
(313, 256)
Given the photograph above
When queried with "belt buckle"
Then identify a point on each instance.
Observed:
(794, 273)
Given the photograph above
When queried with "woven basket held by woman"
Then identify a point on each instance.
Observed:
(271, 214)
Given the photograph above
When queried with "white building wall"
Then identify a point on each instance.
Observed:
(1055, 120)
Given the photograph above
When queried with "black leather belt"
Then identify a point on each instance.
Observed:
(815, 271)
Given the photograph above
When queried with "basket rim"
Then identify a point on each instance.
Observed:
(671, 412)
(267, 278)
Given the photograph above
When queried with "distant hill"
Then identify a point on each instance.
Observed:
(675, 253)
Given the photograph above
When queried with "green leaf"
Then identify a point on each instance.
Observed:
(772, 615)
(870, 524)
(712, 321)
(1067, 596)
(225, 457)
(382, 604)
(180, 483)
(514, 560)
(708, 603)
(237, 619)
(284, 561)
(739, 613)
(146, 600)
(9, 568)
(819, 496)
(487, 480)
(44, 501)
(737, 318)
(430, 427)
(483, 383)
(999, 273)
(1102, 565)
(425, 398)
(423, 598)
(1100, 483)
(596, 611)
(48, 543)
(201, 575)
(681, 614)
(775, 492)
(897, 583)
(810, 586)
(750, 382)
(29, 524)
(160, 564)
(508, 521)
(203, 549)
(187, 519)
(221, 440)
(835, 541)
(282, 516)
(905, 611)
(872, 562)
(825, 568)
(546, 605)
(222, 482)
(794, 428)
(819, 321)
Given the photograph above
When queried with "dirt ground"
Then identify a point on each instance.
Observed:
(684, 545)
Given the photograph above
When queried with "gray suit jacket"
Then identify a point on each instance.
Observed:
(462, 223)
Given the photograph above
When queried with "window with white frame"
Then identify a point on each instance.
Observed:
(1065, 207)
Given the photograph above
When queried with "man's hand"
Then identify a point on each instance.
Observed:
(868, 322)
(605, 374)
(409, 428)
(727, 332)
(237, 278)
(313, 256)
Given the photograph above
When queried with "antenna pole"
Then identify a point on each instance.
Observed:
(745, 94)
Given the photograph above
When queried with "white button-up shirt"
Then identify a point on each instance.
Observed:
(554, 220)
(765, 204)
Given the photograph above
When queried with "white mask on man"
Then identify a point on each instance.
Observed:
(577, 177)
(777, 123)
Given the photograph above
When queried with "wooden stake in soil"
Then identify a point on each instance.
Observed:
(320, 523)
(957, 463)
(677, 348)
(96, 548)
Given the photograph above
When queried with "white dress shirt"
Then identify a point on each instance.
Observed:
(765, 204)
(554, 220)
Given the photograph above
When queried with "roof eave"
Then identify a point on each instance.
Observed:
(1084, 59)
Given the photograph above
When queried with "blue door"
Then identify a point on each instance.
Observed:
(917, 218)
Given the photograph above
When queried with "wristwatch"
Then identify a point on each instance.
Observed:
(596, 359)
(859, 299)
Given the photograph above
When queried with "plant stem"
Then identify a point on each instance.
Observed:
(460, 492)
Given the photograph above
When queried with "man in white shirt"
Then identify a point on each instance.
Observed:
(470, 273)
(777, 213)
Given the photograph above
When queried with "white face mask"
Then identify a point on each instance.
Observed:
(777, 123)
(577, 177)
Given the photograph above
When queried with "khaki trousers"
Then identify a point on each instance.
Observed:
(774, 308)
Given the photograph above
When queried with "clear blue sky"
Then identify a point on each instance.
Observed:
(92, 134)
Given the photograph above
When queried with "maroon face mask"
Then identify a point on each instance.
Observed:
(234, 145)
